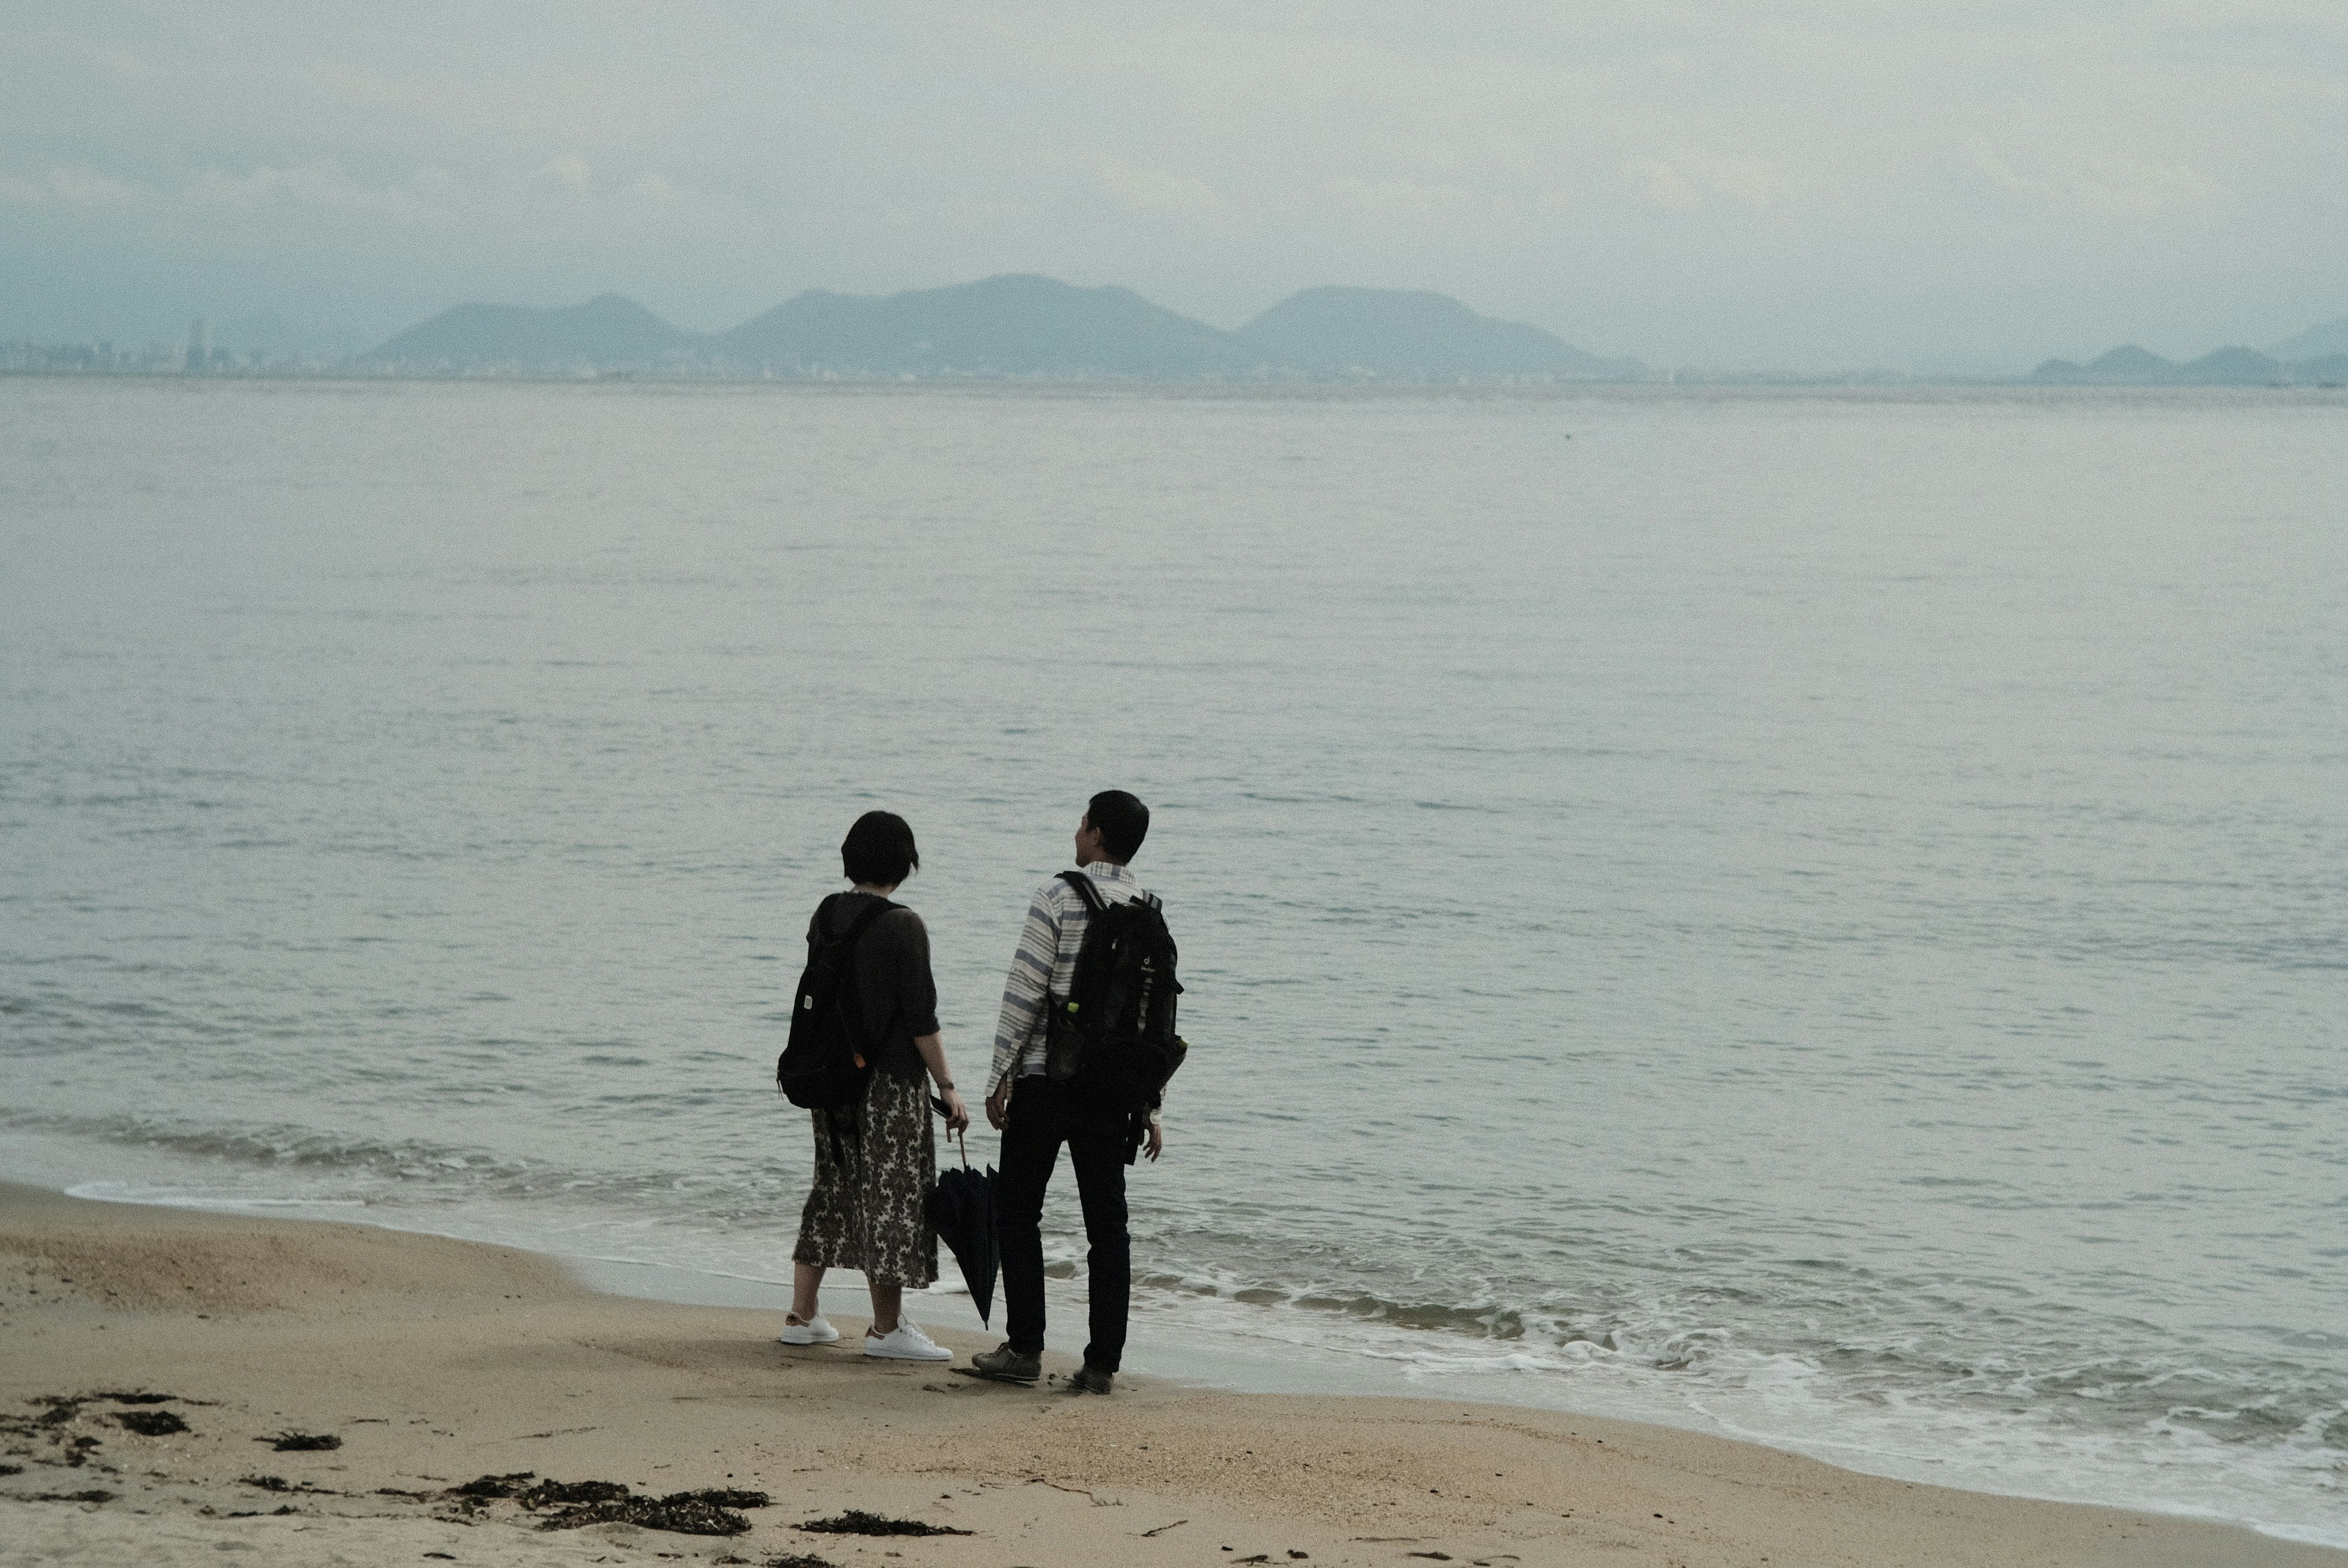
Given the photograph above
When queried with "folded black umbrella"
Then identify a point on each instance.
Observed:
(961, 1207)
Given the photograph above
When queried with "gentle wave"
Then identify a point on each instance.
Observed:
(2180, 1445)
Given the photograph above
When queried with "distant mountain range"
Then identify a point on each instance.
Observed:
(1016, 324)
(2319, 342)
(606, 331)
(2130, 366)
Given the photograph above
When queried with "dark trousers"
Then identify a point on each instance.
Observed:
(1041, 1121)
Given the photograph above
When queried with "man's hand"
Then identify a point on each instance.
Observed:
(998, 1105)
(1156, 1143)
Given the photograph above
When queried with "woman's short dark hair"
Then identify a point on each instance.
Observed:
(879, 850)
(1122, 822)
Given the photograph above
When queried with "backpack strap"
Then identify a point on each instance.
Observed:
(866, 921)
(855, 928)
(862, 923)
(820, 928)
(1085, 890)
(1091, 895)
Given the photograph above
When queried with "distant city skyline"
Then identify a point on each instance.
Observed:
(1825, 184)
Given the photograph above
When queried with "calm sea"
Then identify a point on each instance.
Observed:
(1816, 915)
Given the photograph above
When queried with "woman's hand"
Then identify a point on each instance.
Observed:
(933, 1047)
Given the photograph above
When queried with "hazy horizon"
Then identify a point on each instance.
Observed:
(1960, 188)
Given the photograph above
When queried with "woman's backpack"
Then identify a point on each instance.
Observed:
(823, 1066)
(1111, 1038)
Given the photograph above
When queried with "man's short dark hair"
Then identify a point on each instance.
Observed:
(1122, 822)
(879, 850)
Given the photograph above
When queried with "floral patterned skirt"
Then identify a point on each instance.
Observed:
(872, 1213)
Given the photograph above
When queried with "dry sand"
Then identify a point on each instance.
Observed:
(436, 1362)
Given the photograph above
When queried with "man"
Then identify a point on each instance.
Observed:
(1035, 1116)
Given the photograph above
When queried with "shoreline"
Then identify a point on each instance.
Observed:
(436, 1362)
(1225, 1354)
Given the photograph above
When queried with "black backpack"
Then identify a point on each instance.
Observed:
(823, 1066)
(1111, 1038)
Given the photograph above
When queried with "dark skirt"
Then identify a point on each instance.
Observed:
(873, 1213)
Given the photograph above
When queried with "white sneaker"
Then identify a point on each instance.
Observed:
(815, 1331)
(905, 1343)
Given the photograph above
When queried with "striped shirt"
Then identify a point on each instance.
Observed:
(1046, 962)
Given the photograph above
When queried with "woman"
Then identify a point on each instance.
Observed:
(869, 1208)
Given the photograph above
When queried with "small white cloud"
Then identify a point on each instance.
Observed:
(2097, 184)
(1662, 185)
(321, 184)
(2123, 187)
(1986, 161)
(88, 188)
(1752, 182)
(652, 187)
(570, 171)
(1153, 190)
(130, 67)
(1397, 198)
(242, 192)
(1680, 183)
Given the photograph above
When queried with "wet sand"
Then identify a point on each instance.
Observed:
(433, 1363)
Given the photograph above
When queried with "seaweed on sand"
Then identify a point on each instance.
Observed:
(681, 1513)
(151, 1423)
(59, 1411)
(575, 1503)
(524, 1487)
(572, 1492)
(856, 1521)
(495, 1485)
(301, 1442)
(724, 1497)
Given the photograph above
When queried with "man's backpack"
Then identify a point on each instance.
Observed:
(823, 1066)
(1111, 1038)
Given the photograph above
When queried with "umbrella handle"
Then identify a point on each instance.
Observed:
(940, 1107)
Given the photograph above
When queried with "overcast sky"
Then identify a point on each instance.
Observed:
(1941, 183)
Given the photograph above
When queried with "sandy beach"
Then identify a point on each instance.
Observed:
(435, 1364)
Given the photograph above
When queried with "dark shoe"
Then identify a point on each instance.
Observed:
(1005, 1365)
(1091, 1381)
